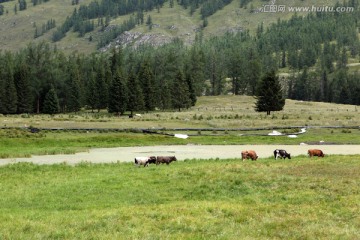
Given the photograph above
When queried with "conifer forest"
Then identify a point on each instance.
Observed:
(310, 55)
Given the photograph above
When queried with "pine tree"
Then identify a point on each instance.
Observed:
(196, 69)
(102, 83)
(299, 90)
(22, 84)
(91, 92)
(323, 86)
(118, 94)
(149, 22)
(180, 90)
(345, 94)
(73, 98)
(51, 102)
(22, 5)
(136, 98)
(192, 94)
(254, 71)
(146, 79)
(342, 60)
(269, 95)
(9, 95)
(116, 60)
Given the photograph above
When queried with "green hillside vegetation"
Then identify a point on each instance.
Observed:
(170, 22)
(20, 27)
(300, 198)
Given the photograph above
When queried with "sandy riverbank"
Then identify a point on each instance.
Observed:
(127, 154)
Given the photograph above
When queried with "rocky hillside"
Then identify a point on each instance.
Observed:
(173, 19)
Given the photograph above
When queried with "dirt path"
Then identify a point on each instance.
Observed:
(127, 154)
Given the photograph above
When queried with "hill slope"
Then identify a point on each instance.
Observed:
(18, 28)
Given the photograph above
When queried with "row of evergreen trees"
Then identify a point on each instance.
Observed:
(21, 5)
(50, 24)
(39, 79)
(172, 75)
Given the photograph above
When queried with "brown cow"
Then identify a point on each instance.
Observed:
(244, 155)
(165, 159)
(249, 154)
(315, 152)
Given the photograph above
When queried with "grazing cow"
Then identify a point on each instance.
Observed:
(315, 152)
(281, 154)
(243, 155)
(145, 160)
(249, 154)
(165, 159)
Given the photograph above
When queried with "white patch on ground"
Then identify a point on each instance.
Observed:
(183, 136)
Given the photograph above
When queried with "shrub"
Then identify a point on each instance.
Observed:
(346, 131)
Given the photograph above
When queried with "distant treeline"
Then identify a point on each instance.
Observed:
(39, 79)
(37, 2)
(311, 51)
(20, 4)
(50, 24)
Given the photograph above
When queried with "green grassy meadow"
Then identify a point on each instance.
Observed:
(300, 198)
(230, 113)
(209, 112)
(25, 144)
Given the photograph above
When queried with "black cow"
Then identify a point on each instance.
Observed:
(281, 153)
(165, 159)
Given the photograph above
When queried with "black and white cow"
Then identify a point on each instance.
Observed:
(280, 153)
(144, 161)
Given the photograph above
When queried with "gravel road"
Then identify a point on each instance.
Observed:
(127, 154)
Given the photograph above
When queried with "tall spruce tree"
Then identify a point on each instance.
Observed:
(196, 68)
(146, 79)
(91, 92)
(22, 84)
(9, 94)
(102, 82)
(180, 96)
(51, 102)
(118, 94)
(73, 98)
(269, 94)
(192, 94)
(136, 98)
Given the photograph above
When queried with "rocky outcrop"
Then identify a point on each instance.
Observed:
(136, 39)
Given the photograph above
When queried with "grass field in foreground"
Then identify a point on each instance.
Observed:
(300, 198)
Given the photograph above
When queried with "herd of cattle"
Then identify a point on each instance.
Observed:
(152, 159)
(248, 154)
(279, 153)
